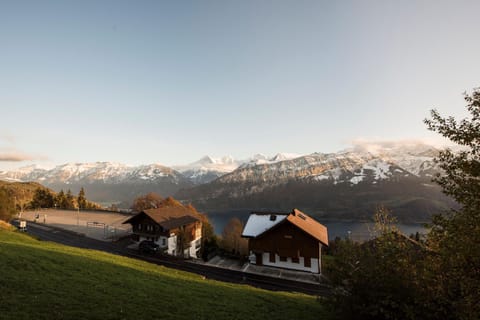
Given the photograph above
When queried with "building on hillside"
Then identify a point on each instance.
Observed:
(286, 240)
(177, 230)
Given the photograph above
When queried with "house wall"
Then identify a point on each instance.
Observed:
(289, 264)
(287, 242)
(172, 245)
(168, 239)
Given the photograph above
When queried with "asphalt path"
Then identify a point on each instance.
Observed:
(69, 238)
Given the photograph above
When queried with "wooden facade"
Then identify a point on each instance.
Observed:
(294, 242)
(175, 230)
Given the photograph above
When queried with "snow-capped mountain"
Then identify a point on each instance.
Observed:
(105, 181)
(208, 169)
(346, 182)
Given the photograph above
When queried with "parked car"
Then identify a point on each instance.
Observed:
(148, 246)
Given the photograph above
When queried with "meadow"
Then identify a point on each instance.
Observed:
(44, 280)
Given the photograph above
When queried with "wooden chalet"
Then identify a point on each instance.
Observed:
(177, 230)
(286, 240)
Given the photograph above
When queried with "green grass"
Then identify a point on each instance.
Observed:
(44, 280)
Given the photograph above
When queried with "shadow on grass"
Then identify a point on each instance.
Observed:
(49, 281)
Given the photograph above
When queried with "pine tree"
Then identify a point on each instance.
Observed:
(69, 200)
(61, 200)
(42, 198)
(81, 199)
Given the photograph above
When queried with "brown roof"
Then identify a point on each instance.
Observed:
(177, 222)
(166, 213)
(169, 217)
(309, 225)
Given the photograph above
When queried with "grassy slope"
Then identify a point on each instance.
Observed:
(43, 280)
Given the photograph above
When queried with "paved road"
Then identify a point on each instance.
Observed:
(73, 239)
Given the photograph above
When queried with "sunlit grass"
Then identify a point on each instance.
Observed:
(43, 280)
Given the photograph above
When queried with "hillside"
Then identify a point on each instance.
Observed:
(22, 192)
(51, 281)
(345, 185)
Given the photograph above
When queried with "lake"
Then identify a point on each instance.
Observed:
(358, 231)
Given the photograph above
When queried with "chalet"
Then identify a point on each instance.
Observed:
(286, 240)
(177, 230)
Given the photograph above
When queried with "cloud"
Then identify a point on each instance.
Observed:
(15, 157)
(18, 156)
(375, 145)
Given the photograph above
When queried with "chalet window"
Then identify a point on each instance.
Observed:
(164, 241)
(287, 236)
(272, 256)
(139, 226)
(307, 262)
(295, 260)
(283, 259)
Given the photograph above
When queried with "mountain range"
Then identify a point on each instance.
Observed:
(346, 184)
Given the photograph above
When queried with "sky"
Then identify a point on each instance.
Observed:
(140, 82)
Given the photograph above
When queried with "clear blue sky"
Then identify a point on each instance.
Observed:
(167, 82)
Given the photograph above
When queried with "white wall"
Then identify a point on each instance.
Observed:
(289, 264)
(172, 245)
(193, 247)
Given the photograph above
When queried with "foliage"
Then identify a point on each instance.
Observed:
(81, 199)
(70, 204)
(42, 198)
(395, 277)
(65, 201)
(232, 240)
(50, 281)
(171, 202)
(21, 192)
(149, 201)
(455, 270)
(7, 205)
(377, 279)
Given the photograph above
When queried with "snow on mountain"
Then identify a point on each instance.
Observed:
(208, 169)
(349, 167)
(260, 159)
(414, 157)
(105, 172)
(354, 166)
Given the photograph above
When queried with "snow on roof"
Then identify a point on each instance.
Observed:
(258, 223)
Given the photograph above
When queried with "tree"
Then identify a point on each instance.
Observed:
(7, 205)
(61, 200)
(232, 240)
(81, 199)
(69, 200)
(455, 270)
(377, 279)
(149, 201)
(42, 198)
